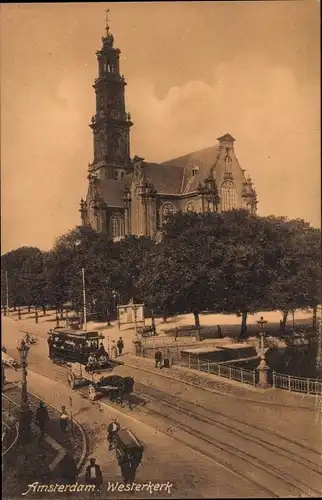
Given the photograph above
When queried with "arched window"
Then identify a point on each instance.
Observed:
(228, 196)
(191, 207)
(166, 210)
(117, 226)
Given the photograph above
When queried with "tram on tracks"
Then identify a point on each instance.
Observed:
(67, 345)
(83, 353)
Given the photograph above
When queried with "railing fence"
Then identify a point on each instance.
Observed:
(297, 384)
(223, 369)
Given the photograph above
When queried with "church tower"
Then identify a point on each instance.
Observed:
(111, 123)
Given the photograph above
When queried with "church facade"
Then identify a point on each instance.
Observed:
(133, 196)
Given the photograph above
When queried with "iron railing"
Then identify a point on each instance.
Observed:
(297, 384)
(222, 370)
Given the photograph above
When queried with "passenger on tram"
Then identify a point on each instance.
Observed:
(91, 362)
(101, 349)
(103, 359)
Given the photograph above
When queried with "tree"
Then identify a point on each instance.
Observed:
(233, 263)
(131, 254)
(83, 248)
(183, 273)
(297, 280)
(23, 266)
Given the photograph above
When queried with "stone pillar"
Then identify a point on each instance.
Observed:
(202, 204)
(152, 217)
(144, 216)
(263, 374)
(126, 220)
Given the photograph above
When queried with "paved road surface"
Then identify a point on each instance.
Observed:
(215, 440)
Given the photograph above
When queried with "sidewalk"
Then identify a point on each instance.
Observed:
(25, 463)
(165, 459)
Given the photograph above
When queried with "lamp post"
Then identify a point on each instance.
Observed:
(261, 351)
(84, 299)
(6, 307)
(25, 412)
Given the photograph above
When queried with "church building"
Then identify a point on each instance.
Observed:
(133, 196)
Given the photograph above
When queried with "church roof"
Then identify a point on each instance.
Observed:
(202, 161)
(170, 177)
(165, 178)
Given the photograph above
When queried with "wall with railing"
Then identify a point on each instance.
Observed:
(297, 384)
(222, 370)
(245, 376)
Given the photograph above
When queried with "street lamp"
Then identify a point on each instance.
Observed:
(6, 307)
(25, 412)
(261, 351)
(84, 299)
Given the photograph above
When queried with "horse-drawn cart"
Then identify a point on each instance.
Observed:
(100, 382)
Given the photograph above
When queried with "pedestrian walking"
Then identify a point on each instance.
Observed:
(219, 332)
(158, 358)
(68, 471)
(113, 350)
(42, 418)
(112, 430)
(120, 346)
(93, 475)
(63, 419)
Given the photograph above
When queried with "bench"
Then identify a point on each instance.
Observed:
(146, 330)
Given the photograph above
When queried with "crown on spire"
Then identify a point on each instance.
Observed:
(108, 35)
(107, 27)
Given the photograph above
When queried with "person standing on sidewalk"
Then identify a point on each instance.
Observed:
(50, 347)
(113, 350)
(68, 472)
(93, 475)
(63, 419)
(42, 418)
(120, 346)
(158, 358)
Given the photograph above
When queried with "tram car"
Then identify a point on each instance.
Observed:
(66, 345)
(129, 448)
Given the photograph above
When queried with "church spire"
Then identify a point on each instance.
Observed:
(108, 38)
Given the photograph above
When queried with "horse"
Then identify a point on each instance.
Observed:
(126, 390)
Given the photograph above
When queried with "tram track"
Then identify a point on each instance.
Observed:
(207, 416)
(265, 467)
(270, 478)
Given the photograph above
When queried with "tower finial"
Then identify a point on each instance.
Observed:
(107, 27)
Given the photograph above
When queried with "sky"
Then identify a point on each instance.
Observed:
(195, 71)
